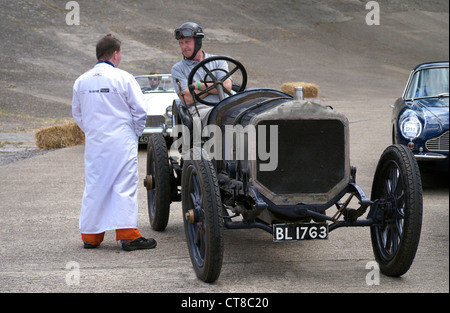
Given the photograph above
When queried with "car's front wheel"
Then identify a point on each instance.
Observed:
(202, 215)
(397, 183)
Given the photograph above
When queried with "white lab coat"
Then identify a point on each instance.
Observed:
(107, 105)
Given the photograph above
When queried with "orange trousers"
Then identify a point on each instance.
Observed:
(121, 234)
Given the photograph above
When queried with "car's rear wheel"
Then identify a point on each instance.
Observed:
(157, 182)
(202, 215)
(397, 183)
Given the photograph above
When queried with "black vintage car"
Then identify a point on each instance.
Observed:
(281, 164)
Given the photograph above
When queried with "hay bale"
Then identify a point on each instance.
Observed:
(310, 90)
(59, 136)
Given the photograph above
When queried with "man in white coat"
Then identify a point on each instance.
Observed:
(107, 105)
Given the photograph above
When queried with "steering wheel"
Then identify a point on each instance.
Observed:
(216, 83)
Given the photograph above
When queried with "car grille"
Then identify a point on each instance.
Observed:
(154, 121)
(439, 143)
(311, 157)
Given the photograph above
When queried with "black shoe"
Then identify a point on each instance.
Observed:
(140, 243)
(88, 245)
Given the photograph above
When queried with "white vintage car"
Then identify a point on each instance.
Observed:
(159, 93)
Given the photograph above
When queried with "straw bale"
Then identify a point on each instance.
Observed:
(310, 90)
(59, 136)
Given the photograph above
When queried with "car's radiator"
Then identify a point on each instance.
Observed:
(438, 144)
(311, 156)
(154, 121)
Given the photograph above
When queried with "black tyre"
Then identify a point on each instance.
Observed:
(157, 182)
(202, 215)
(397, 181)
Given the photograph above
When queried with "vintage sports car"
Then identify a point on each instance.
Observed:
(279, 163)
(420, 117)
(159, 94)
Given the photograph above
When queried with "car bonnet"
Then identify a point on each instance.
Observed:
(433, 110)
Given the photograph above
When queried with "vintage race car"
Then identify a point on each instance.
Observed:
(279, 163)
(420, 118)
(159, 94)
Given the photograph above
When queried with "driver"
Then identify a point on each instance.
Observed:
(189, 36)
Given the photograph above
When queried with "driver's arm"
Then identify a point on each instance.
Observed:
(188, 97)
(227, 84)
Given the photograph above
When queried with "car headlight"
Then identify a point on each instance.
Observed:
(411, 127)
(169, 111)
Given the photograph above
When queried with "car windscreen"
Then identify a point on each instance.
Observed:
(155, 83)
(432, 82)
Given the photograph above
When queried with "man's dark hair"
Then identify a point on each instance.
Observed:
(107, 46)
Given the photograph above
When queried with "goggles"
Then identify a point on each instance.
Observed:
(186, 33)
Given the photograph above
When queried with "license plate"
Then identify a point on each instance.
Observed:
(143, 139)
(299, 231)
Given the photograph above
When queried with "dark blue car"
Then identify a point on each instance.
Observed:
(420, 117)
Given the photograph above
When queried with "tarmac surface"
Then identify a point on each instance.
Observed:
(361, 70)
